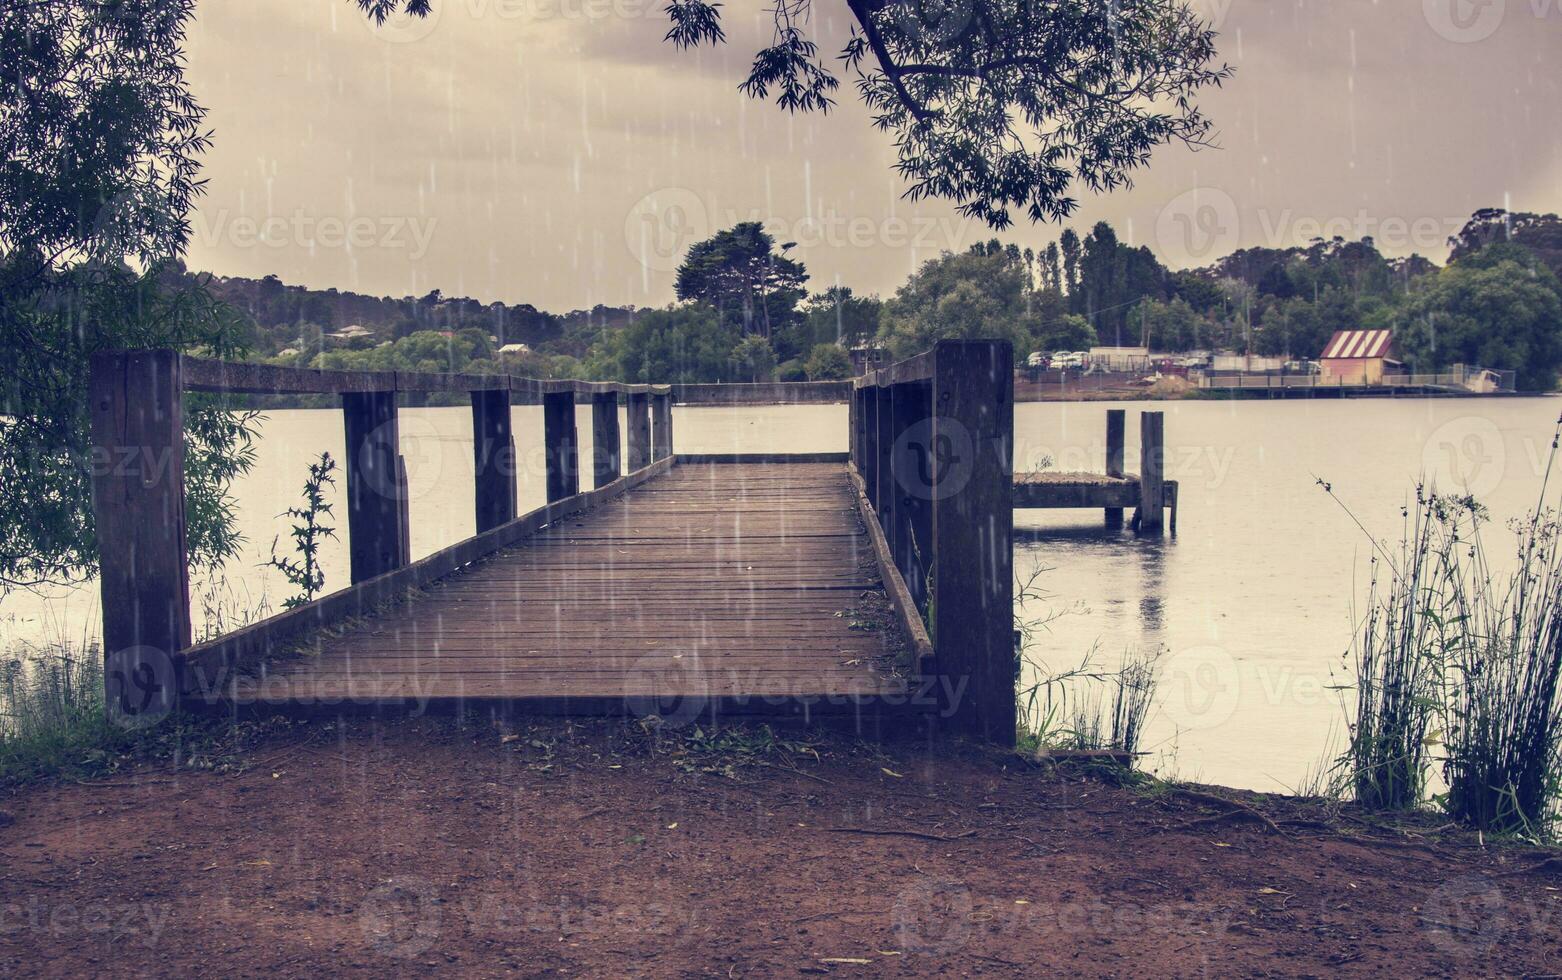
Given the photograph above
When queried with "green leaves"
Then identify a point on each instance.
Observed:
(100, 135)
(51, 322)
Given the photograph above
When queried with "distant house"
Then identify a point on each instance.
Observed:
(869, 358)
(515, 349)
(1357, 356)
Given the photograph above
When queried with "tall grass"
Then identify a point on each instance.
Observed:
(1065, 710)
(1400, 649)
(51, 711)
(1450, 641)
(1504, 724)
(1089, 708)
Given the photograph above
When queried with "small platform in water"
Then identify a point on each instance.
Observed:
(1151, 495)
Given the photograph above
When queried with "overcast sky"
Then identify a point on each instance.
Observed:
(557, 152)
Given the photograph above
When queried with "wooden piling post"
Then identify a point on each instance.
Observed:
(638, 406)
(910, 462)
(1115, 424)
(1152, 471)
(661, 426)
(883, 448)
(853, 423)
(972, 520)
(606, 450)
(138, 509)
(561, 448)
(493, 457)
(868, 462)
(378, 531)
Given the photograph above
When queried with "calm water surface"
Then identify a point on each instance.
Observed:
(1251, 603)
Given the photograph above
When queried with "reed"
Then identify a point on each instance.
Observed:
(1400, 650)
(1503, 764)
(1457, 653)
(51, 710)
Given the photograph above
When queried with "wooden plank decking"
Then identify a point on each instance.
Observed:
(732, 583)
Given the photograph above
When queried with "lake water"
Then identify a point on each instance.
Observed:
(1251, 604)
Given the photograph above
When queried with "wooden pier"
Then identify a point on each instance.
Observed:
(1152, 496)
(683, 586)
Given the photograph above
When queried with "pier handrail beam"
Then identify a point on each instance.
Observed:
(931, 442)
(138, 499)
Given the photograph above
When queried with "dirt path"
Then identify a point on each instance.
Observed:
(420, 847)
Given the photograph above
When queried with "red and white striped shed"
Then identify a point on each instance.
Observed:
(1357, 356)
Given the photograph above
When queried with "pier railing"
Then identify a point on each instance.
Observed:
(931, 447)
(138, 497)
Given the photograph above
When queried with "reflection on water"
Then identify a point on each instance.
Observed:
(1252, 602)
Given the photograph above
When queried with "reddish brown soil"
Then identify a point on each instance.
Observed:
(415, 847)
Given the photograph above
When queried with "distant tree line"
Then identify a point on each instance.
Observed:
(744, 311)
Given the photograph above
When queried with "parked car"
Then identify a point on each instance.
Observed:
(1037, 359)
(1303, 367)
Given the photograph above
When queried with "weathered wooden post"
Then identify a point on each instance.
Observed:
(493, 457)
(661, 426)
(639, 415)
(853, 421)
(883, 449)
(867, 465)
(138, 509)
(561, 448)
(606, 451)
(1152, 471)
(910, 461)
(378, 531)
(1116, 420)
(973, 565)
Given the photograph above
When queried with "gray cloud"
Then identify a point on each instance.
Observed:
(530, 143)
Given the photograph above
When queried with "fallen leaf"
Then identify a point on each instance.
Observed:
(673, 825)
(1270, 891)
(891, 772)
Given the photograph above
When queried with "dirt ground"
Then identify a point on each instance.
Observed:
(599, 849)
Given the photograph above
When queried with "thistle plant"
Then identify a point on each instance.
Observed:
(304, 572)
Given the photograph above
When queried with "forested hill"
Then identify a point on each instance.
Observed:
(296, 316)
